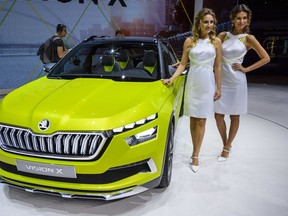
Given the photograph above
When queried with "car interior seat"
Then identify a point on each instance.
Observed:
(149, 61)
(124, 60)
(107, 64)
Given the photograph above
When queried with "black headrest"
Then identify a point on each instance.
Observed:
(149, 58)
(107, 60)
(123, 56)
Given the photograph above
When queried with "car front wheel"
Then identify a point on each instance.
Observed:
(167, 172)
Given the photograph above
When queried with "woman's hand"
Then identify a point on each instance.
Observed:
(238, 67)
(166, 82)
(217, 94)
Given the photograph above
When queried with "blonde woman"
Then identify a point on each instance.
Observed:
(233, 101)
(203, 86)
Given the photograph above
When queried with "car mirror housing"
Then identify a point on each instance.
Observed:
(48, 67)
(171, 70)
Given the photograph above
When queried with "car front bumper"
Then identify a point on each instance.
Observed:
(74, 194)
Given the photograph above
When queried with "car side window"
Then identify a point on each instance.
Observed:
(169, 60)
(77, 62)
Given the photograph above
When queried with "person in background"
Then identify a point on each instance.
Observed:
(119, 33)
(233, 101)
(203, 85)
(59, 49)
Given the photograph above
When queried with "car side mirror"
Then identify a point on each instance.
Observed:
(185, 71)
(171, 69)
(48, 67)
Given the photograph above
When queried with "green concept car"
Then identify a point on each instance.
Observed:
(99, 125)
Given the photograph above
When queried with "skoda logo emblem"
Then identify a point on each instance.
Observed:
(44, 125)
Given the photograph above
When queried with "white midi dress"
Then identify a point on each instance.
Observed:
(233, 99)
(200, 83)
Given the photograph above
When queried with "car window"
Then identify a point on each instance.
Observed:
(169, 59)
(121, 62)
(172, 58)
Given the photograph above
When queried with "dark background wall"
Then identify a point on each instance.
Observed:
(270, 26)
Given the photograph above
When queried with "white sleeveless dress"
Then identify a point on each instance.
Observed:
(233, 99)
(200, 84)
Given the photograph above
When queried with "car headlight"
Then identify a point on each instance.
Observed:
(142, 136)
(135, 124)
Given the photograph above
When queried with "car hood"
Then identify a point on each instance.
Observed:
(83, 103)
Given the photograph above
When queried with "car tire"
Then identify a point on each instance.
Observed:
(181, 113)
(167, 168)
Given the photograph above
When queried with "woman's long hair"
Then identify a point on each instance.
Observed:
(196, 29)
(237, 9)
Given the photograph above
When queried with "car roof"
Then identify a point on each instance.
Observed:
(126, 39)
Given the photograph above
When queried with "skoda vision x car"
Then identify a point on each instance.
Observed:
(99, 125)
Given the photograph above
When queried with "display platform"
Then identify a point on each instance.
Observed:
(253, 181)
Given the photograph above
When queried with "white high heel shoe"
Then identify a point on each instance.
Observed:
(222, 159)
(194, 168)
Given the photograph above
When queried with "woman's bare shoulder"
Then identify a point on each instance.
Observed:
(189, 39)
(218, 40)
(250, 37)
(222, 35)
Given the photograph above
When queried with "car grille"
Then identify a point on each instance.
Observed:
(62, 145)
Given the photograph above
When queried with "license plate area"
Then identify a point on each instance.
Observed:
(46, 169)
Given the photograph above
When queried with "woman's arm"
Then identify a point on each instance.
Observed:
(253, 43)
(182, 65)
(222, 36)
(218, 68)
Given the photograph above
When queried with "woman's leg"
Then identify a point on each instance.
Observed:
(234, 125)
(197, 129)
(221, 125)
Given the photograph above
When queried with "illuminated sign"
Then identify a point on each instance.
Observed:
(111, 2)
(276, 46)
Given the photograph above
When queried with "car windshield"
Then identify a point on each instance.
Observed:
(120, 62)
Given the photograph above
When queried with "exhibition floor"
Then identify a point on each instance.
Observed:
(252, 182)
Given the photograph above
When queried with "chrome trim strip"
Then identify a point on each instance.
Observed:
(42, 145)
(6, 137)
(13, 138)
(66, 144)
(34, 143)
(84, 145)
(152, 165)
(93, 145)
(26, 137)
(113, 195)
(75, 144)
(58, 144)
(20, 139)
(50, 145)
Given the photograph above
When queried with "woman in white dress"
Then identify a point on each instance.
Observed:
(233, 100)
(203, 85)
